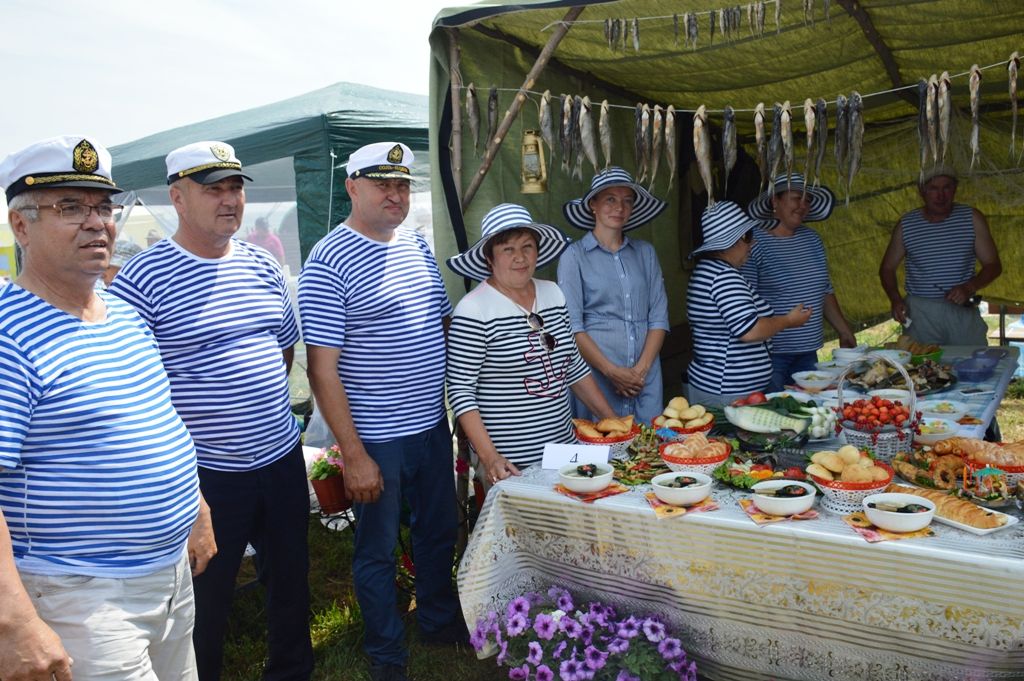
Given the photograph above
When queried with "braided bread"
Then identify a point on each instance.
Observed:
(954, 509)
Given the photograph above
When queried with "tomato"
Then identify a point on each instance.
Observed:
(794, 473)
(756, 398)
(739, 403)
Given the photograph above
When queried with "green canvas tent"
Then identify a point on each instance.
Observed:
(294, 149)
(879, 48)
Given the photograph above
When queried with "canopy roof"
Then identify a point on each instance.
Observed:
(879, 48)
(295, 138)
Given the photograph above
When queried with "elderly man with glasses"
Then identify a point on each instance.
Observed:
(98, 486)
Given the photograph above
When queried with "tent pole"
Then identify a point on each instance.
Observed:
(455, 77)
(517, 103)
(860, 15)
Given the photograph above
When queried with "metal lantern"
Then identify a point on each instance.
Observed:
(534, 168)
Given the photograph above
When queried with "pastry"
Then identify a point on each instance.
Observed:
(954, 509)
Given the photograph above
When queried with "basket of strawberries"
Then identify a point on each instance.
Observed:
(884, 426)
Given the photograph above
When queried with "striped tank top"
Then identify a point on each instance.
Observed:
(940, 255)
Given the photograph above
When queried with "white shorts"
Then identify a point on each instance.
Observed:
(135, 629)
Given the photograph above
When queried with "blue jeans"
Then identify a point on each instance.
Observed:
(269, 508)
(419, 469)
(784, 365)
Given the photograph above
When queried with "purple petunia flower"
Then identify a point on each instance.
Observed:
(691, 672)
(478, 639)
(670, 648)
(654, 630)
(519, 673)
(626, 676)
(628, 628)
(502, 652)
(545, 626)
(594, 658)
(569, 670)
(570, 627)
(544, 673)
(517, 624)
(518, 605)
(564, 602)
(559, 649)
(618, 646)
(535, 654)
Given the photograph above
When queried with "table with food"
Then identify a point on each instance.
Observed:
(838, 530)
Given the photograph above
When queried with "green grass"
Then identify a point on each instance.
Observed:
(336, 625)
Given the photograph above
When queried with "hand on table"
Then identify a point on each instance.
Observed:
(32, 651)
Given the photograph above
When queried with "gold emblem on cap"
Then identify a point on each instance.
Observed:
(84, 158)
(396, 154)
(221, 152)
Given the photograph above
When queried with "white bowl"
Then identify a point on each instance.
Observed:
(892, 394)
(830, 365)
(898, 522)
(682, 496)
(817, 379)
(847, 355)
(574, 483)
(943, 409)
(898, 356)
(783, 505)
(795, 394)
(935, 430)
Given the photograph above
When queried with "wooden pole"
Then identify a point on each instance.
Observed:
(455, 76)
(510, 116)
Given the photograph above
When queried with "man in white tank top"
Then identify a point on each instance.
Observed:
(941, 242)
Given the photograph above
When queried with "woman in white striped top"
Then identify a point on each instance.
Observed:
(511, 354)
(729, 321)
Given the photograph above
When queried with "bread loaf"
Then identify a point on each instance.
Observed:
(951, 508)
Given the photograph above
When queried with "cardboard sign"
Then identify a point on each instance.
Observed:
(556, 456)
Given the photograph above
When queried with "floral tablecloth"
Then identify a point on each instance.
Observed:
(794, 600)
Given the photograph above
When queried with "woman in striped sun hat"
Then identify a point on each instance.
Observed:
(615, 293)
(730, 323)
(787, 266)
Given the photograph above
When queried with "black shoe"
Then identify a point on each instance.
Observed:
(451, 634)
(387, 672)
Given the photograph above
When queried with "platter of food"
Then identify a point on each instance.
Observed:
(742, 474)
(928, 377)
(642, 461)
(960, 513)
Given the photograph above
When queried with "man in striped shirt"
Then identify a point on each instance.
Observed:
(941, 241)
(98, 487)
(220, 311)
(374, 314)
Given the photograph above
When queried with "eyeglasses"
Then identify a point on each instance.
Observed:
(78, 213)
(536, 323)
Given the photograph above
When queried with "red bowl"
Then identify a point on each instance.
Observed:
(692, 461)
(856, 486)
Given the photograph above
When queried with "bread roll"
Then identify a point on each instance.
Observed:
(672, 423)
(820, 471)
(857, 474)
(678, 404)
(670, 413)
(832, 462)
(849, 454)
(957, 510)
(588, 431)
(878, 474)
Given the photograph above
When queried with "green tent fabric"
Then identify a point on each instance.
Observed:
(304, 131)
(874, 47)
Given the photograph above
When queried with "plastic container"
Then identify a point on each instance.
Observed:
(975, 369)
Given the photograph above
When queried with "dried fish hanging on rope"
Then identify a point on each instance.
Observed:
(645, 141)
(842, 134)
(932, 116)
(657, 140)
(638, 139)
(670, 144)
(546, 124)
(924, 92)
(702, 150)
(587, 137)
(473, 117)
(762, 144)
(577, 139)
(775, 145)
(728, 144)
(975, 87)
(1012, 68)
(604, 132)
(856, 141)
(492, 114)
(945, 99)
(821, 114)
(566, 131)
(787, 139)
(809, 124)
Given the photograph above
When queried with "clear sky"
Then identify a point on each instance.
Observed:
(118, 70)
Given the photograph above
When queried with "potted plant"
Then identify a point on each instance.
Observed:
(327, 474)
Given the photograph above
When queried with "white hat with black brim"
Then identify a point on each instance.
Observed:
(645, 208)
(722, 225)
(206, 162)
(821, 200)
(501, 218)
(64, 161)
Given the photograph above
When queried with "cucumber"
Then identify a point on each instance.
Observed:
(758, 420)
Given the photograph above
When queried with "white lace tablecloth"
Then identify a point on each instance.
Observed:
(793, 600)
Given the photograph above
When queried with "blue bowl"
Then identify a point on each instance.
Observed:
(976, 369)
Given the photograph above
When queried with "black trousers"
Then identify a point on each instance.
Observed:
(268, 508)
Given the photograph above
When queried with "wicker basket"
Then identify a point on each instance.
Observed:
(846, 497)
(618, 446)
(890, 440)
(703, 465)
